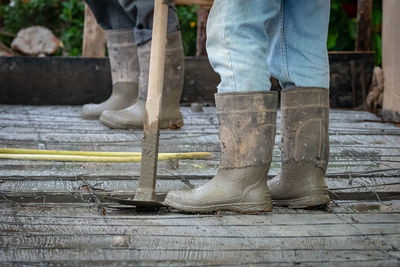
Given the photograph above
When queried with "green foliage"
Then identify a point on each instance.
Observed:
(343, 29)
(377, 31)
(72, 18)
(64, 18)
(188, 22)
(35, 12)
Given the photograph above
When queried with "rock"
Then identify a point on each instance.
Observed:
(5, 54)
(375, 95)
(36, 40)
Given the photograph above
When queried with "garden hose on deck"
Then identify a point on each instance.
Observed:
(90, 156)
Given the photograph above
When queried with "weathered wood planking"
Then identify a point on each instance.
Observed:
(74, 189)
(35, 235)
(47, 218)
(203, 257)
(139, 242)
(352, 153)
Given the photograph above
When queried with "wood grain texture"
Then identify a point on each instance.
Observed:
(201, 38)
(364, 24)
(94, 39)
(148, 169)
(48, 215)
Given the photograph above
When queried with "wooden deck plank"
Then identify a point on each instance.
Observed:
(194, 221)
(55, 241)
(228, 257)
(56, 224)
(187, 230)
(70, 190)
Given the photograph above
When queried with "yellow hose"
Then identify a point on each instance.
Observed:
(90, 156)
(67, 152)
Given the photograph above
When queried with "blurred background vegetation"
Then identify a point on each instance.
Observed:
(65, 19)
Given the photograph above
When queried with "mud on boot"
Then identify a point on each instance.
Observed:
(247, 133)
(122, 53)
(305, 149)
(133, 116)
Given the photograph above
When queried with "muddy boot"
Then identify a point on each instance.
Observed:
(247, 133)
(171, 117)
(305, 149)
(122, 52)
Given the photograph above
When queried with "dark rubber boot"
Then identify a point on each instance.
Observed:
(171, 117)
(305, 149)
(122, 53)
(247, 132)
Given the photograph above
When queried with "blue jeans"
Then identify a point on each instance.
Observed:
(250, 40)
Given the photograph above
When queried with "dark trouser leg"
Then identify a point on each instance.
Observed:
(137, 14)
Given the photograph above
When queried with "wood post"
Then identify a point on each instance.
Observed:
(202, 16)
(364, 14)
(391, 60)
(148, 169)
(94, 40)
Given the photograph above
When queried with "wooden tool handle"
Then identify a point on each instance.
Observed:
(148, 172)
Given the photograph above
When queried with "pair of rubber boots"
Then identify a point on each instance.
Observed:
(247, 124)
(130, 74)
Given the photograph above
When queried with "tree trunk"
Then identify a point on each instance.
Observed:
(364, 14)
(202, 15)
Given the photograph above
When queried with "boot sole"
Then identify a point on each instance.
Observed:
(304, 202)
(90, 117)
(163, 125)
(113, 125)
(246, 208)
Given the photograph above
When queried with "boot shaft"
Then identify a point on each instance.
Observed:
(122, 53)
(305, 121)
(247, 124)
(173, 69)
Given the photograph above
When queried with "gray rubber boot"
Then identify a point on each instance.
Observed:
(247, 133)
(305, 149)
(122, 53)
(171, 117)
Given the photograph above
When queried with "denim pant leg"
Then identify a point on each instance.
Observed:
(298, 54)
(237, 43)
(131, 14)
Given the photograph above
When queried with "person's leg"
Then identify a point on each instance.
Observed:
(122, 53)
(299, 59)
(298, 54)
(141, 12)
(133, 116)
(110, 15)
(131, 14)
(171, 117)
(237, 47)
(237, 43)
